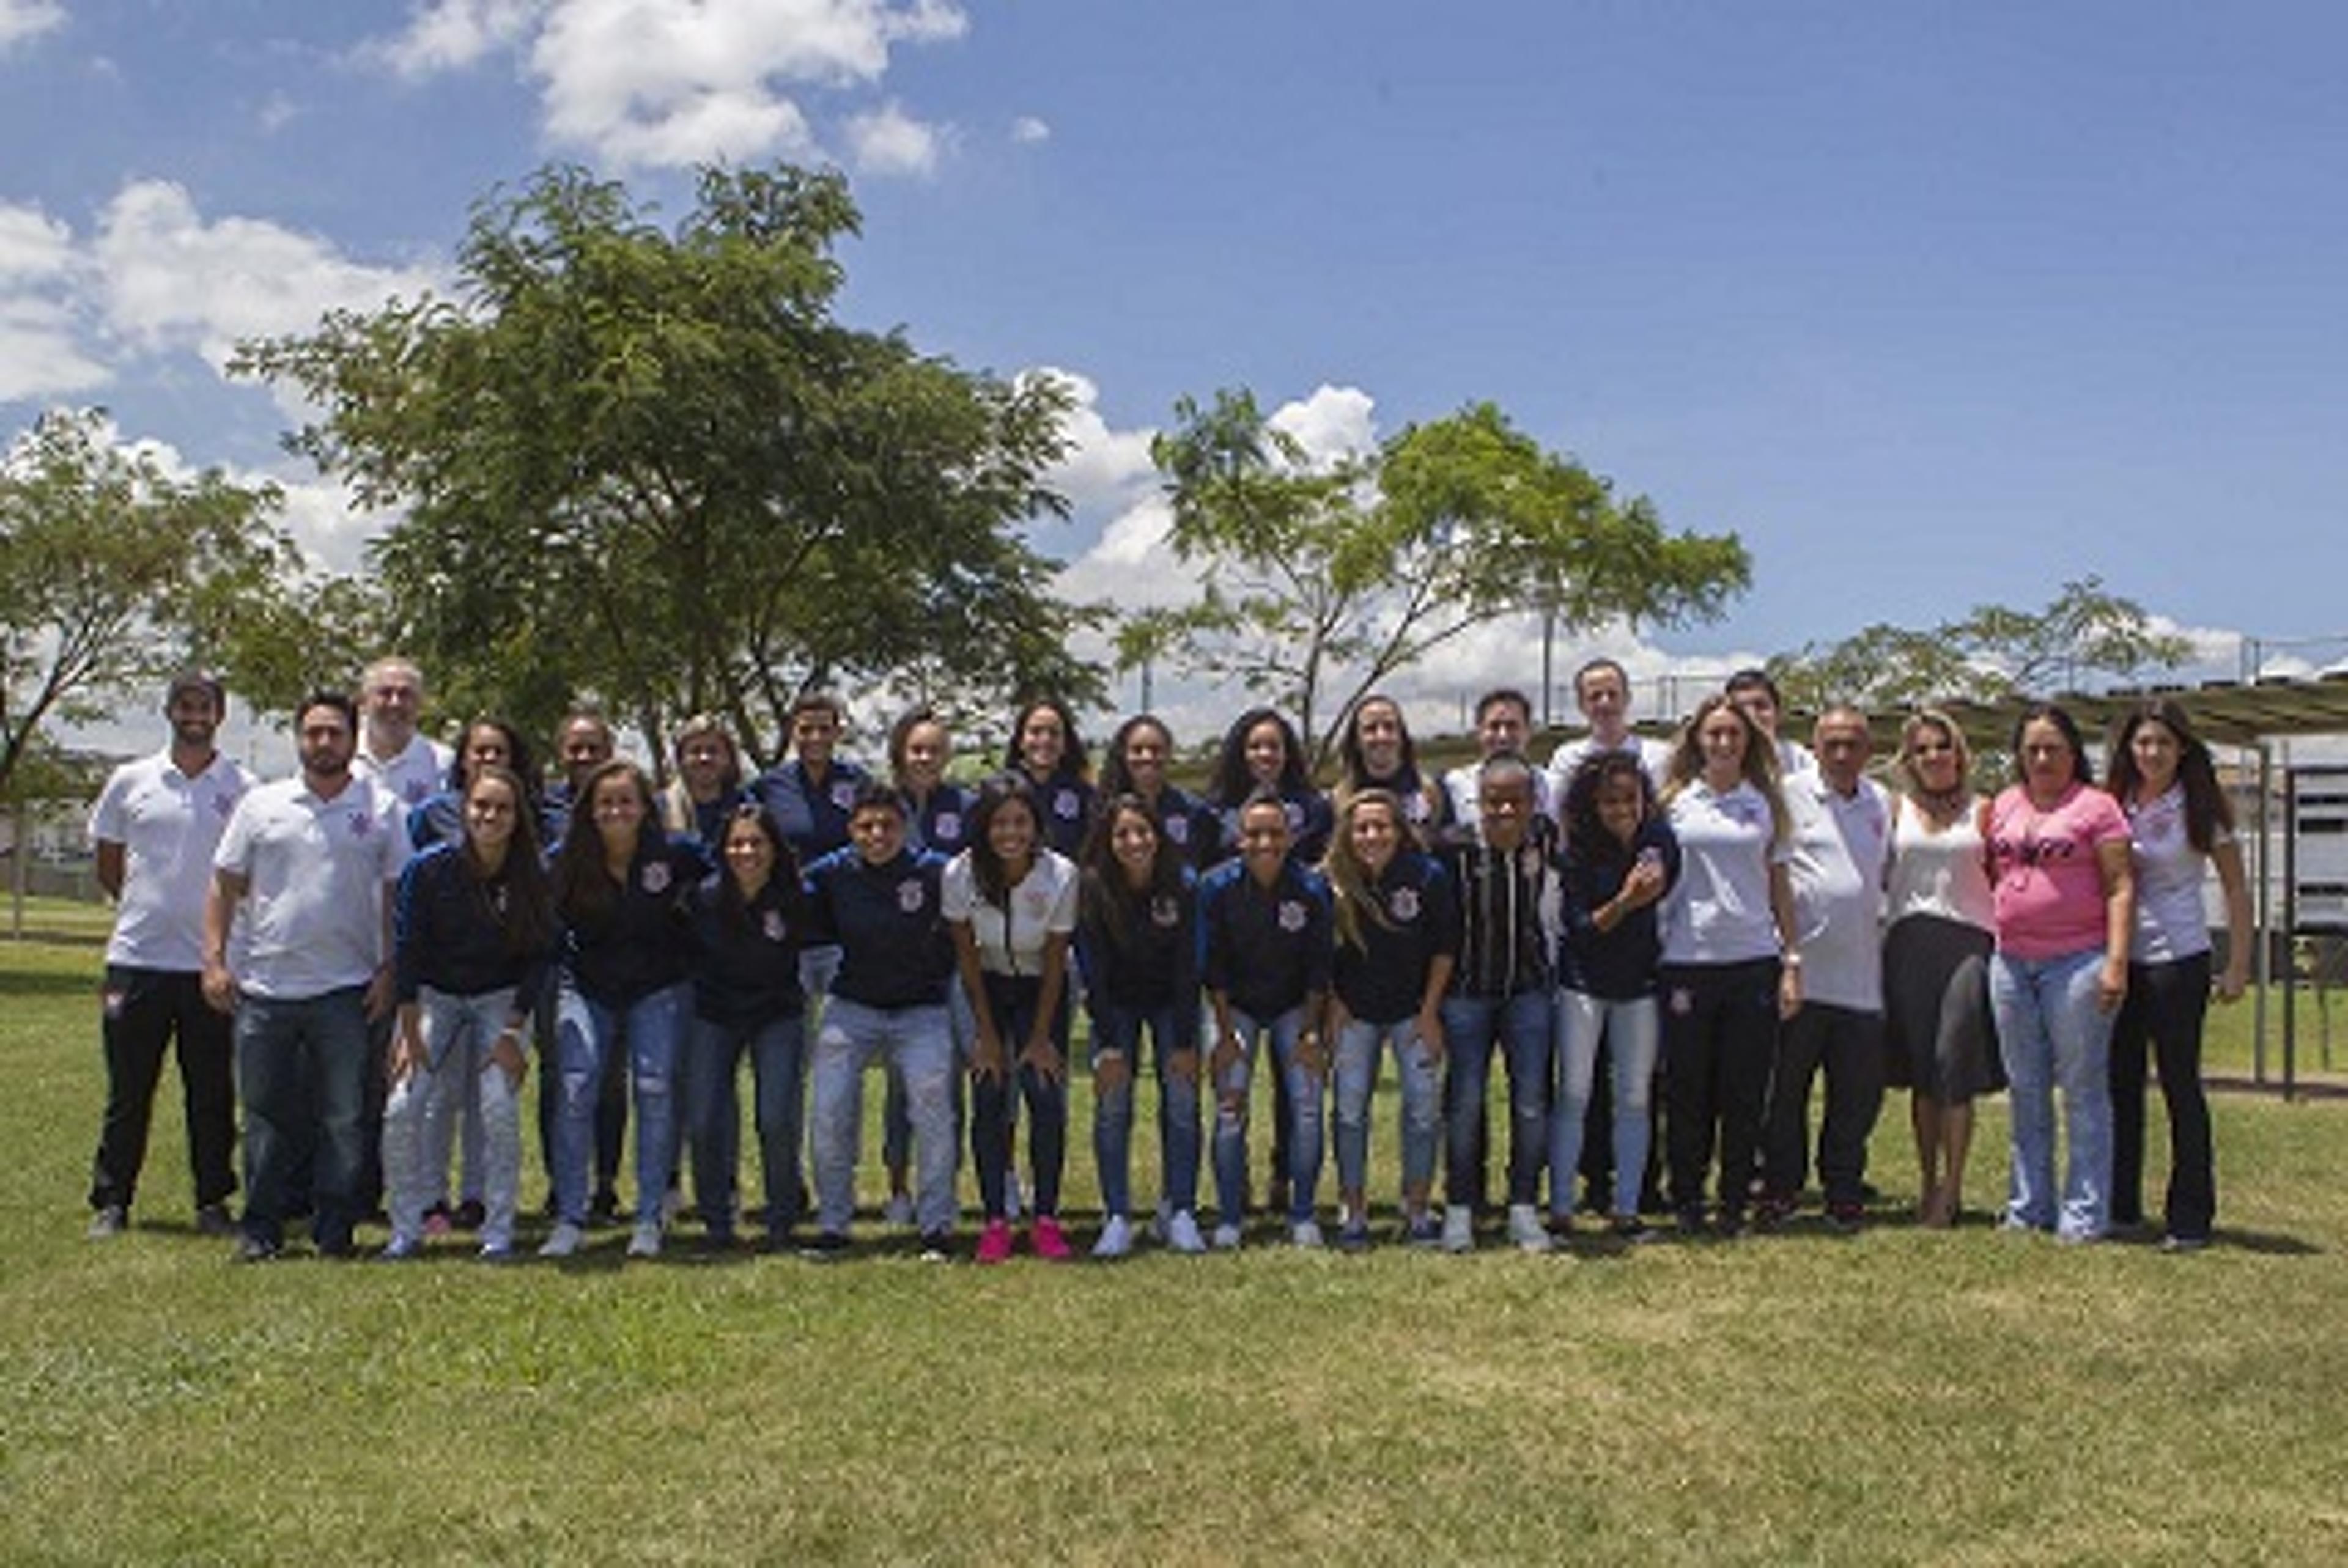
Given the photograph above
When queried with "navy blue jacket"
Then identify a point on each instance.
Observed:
(1151, 962)
(638, 941)
(941, 823)
(814, 821)
(446, 935)
(1267, 949)
(888, 923)
(1617, 964)
(1413, 919)
(1066, 805)
(745, 966)
(1311, 820)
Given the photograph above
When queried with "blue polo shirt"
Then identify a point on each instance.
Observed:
(1266, 949)
(890, 924)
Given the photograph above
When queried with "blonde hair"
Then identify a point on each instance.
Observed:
(1349, 879)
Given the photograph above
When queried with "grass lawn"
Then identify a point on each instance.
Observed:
(1899, 1396)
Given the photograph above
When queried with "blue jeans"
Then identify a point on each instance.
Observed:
(1360, 1044)
(2053, 1035)
(1521, 1025)
(1231, 1118)
(458, 1032)
(651, 1031)
(776, 1049)
(917, 1043)
(301, 1071)
(1013, 1002)
(1634, 1029)
(1171, 1030)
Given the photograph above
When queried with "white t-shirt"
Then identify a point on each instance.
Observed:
(169, 824)
(1839, 845)
(316, 873)
(1718, 912)
(2170, 921)
(1043, 905)
(413, 776)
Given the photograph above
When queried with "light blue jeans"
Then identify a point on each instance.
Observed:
(1231, 1117)
(918, 1044)
(1635, 1027)
(1360, 1045)
(651, 1031)
(458, 1032)
(2054, 1036)
(1119, 1028)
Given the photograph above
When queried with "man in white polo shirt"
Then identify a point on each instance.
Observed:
(1503, 723)
(392, 752)
(155, 827)
(308, 866)
(1842, 831)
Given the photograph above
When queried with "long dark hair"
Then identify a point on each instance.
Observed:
(731, 907)
(1075, 764)
(2207, 812)
(1585, 834)
(997, 794)
(519, 760)
(1349, 746)
(1234, 784)
(2060, 717)
(1107, 901)
(1114, 779)
(515, 894)
(581, 886)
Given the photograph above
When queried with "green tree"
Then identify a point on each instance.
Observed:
(1991, 654)
(1320, 581)
(113, 572)
(648, 466)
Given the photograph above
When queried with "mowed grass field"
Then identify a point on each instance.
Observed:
(1973, 1398)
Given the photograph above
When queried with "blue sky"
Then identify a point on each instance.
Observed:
(1934, 304)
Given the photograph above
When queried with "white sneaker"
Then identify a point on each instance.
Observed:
(1182, 1235)
(1459, 1227)
(565, 1242)
(1115, 1238)
(1526, 1230)
(1306, 1233)
(402, 1245)
(900, 1210)
(646, 1241)
(1227, 1237)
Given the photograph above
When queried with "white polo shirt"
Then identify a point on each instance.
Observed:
(1655, 760)
(1044, 903)
(413, 776)
(169, 824)
(317, 871)
(1839, 845)
(1718, 912)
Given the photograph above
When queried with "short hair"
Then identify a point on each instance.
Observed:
(1504, 767)
(203, 680)
(877, 793)
(818, 702)
(1593, 666)
(1499, 694)
(1755, 680)
(376, 669)
(328, 697)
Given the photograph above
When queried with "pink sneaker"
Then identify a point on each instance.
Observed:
(1049, 1243)
(994, 1242)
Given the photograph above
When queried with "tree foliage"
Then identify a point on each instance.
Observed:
(1990, 654)
(649, 467)
(114, 572)
(1320, 580)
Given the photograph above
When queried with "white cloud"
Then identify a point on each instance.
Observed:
(887, 141)
(655, 83)
(23, 19)
(170, 280)
(1028, 131)
(278, 110)
(1334, 422)
(42, 348)
(452, 34)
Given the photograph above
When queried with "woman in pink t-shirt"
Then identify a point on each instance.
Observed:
(2065, 906)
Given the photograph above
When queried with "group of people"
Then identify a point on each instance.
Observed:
(1666, 945)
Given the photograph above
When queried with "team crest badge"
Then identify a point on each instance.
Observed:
(1403, 904)
(1291, 915)
(776, 929)
(1165, 911)
(1064, 805)
(656, 876)
(843, 795)
(949, 826)
(1177, 828)
(911, 896)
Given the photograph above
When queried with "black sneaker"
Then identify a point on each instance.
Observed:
(2173, 1242)
(212, 1220)
(337, 1248)
(1630, 1229)
(254, 1249)
(1690, 1219)
(107, 1223)
(1731, 1223)
(1846, 1219)
(825, 1245)
(937, 1246)
(1772, 1211)
(469, 1214)
(604, 1210)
